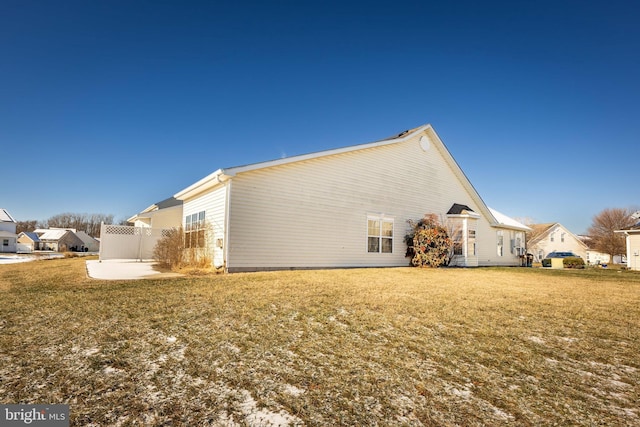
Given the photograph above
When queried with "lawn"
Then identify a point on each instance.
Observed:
(358, 347)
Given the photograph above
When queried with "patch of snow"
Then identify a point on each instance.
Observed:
(264, 417)
(464, 393)
(91, 351)
(293, 390)
(501, 414)
(111, 370)
(536, 340)
(171, 339)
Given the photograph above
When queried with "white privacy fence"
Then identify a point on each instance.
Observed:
(126, 242)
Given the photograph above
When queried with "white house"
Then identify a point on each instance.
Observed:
(345, 207)
(555, 237)
(633, 246)
(8, 236)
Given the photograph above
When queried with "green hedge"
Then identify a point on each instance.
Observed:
(573, 262)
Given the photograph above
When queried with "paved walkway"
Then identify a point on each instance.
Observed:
(125, 269)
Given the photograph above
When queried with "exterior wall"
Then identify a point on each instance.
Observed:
(27, 242)
(167, 218)
(633, 251)
(313, 213)
(142, 222)
(10, 246)
(570, 244)
(213, 203)
(594, 257)
(9, 227)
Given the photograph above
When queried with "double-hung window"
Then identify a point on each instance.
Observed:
(194, 230)
(379, 234)
(500, 243)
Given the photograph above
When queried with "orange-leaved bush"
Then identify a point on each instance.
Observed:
(428, 243)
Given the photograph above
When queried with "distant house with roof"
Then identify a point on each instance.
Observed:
(345, 207)
(90, 244)
(28, 241)
(554, 237)
(59, 239)
(8, 236)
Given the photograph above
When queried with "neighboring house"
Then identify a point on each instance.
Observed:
(593, 256)
(554, 237)
(29, 240)
(8, 236)
(164, 214)
(633, 245)
(346, 207)
(59, 240)
(90, 244)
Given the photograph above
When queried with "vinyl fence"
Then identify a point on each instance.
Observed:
(126, 242)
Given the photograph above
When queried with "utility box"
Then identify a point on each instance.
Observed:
(557, 262)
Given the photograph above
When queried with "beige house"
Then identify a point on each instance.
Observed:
(164, 214)
(554, 237)
(346, 207)
(29, 241)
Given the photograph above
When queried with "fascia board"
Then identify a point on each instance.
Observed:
(246, 168)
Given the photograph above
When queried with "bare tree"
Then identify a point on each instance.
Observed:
(602, 230)
(90, 224)
(28, 225)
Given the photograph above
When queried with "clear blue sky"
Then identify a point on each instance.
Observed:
(111, 106)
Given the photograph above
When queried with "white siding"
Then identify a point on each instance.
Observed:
(213, 203)
(633, 251)
(570, 243)
(313, 213)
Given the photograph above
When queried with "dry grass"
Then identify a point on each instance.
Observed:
(341, 347)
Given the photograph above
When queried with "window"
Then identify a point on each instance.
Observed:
(194, 228)
(471, 243)
(379, 235)
(457, 242)
(500, 242)
(552, 236)
(5, 242)
(562, 237)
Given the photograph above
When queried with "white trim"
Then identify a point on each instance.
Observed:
(381, 218)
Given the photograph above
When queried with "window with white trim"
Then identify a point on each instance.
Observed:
(472, 243)
(379, 235)
(500, 242)
(5, 242)
(194, 230)
(457, 242)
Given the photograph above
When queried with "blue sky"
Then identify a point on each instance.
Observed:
(111, 106)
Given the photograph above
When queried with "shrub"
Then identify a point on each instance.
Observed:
(573, 262)
(169, 251)
(546, 262)
(428, 244)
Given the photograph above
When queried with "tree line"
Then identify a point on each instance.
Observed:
(89, 223)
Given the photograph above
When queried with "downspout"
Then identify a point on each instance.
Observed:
(225, 231)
